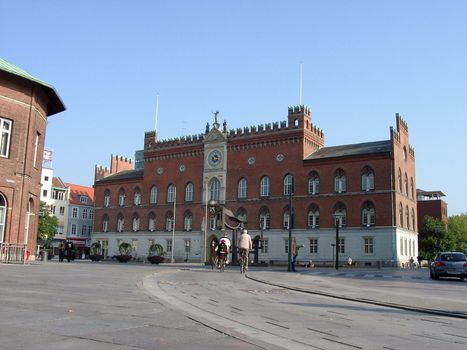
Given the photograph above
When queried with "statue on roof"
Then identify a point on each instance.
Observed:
(216, 122)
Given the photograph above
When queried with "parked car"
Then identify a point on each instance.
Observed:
(449, 264)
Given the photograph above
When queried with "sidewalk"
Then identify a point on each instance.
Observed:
(389, 290)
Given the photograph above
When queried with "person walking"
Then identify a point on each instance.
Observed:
(294, 250)
(245, 244)
(61, 251)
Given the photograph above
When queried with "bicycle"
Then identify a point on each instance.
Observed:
(243, 260)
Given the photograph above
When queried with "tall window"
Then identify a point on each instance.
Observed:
(137, 196)
(168, 246)
(120, 223)
(74, 229)
(368, 179)
(91, 214)
(340, 181)
(188, 221)
(340, 212)
(286, 246)
(3, 207)
(121, 197)
(84, 214)
(265, 246)
(411, 188)
(401, 215)
(242, 188)
(84, 230)
(169, 221)
(413, 219)
(287, 220)
(313, 246)
(406, 184)
(399, 179)
(5, 137)
(368, 245)
(313, 183)
(368, 214)
(288, 185)
(135, 223)
(36, 147)
(106, 198)
(341, 246)
(153, 195)
(313, 217)
(105, 223)
(74, 212)
(152, 222)
(214, 189)
(189, 192)
(407, 219)
(171, 193)
(265, 186)
(264, 219)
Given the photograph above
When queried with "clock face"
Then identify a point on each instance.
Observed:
(215, 158)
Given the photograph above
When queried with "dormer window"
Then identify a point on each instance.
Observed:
(83, 199)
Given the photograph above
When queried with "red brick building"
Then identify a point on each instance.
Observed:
(25, 104)
(369, 186)
(429, 203)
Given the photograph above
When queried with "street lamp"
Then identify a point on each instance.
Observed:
(337, 219)
(333, 245)
(290, 188)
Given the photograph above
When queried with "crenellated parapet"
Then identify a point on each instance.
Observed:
(401, 124)
(174, 142)
(100, 172)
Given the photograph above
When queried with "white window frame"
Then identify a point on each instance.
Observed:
(74, 212)
(368, 181)
(106, 199)
(215, 189)
(84, 213)
(121, 199)
(265, 220)
(152, 223)
(189, 192)
(74, 229)
(313, 185)
(368, 216)
(153, 195)
(168, 245)
(105, 225)
(313, 218)
(171, 191)
(265, 186)
(169, 221)
(120, 224)
(368, 245)
(242, 188)
(188, 222)
(265, 246)
(313, 245)
(135, 224)
(288, 184)
(137, 198)
(5, 137)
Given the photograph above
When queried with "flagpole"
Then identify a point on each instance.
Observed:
(301, 71)
(173, 228)
(206, 221)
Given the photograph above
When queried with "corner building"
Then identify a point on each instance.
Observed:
(25, 104)
(369, 187)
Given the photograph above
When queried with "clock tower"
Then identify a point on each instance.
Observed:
(215, 162)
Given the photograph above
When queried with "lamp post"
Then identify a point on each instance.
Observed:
(337, 220)
(289, 265)
(333, 245)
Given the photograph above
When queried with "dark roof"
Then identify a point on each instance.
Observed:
(55, 104)
(123, 175)
(352, 150)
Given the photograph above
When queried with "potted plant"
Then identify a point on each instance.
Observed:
(125, 250)
(156, 253)
(95, 252)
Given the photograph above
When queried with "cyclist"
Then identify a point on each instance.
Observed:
(245, 245)
(225, 241)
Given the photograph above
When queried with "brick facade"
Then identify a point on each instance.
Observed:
(293, 147)
(25, 104)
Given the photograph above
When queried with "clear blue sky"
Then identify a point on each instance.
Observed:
(363, 61)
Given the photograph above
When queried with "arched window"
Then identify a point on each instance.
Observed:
(413, 220)
(264, 219)
(368, 179)
(3, 206)
(188, 221)
(287, 218)
(214, 189)
(406, 184)
(189, 192)
(407, 219)
(120, 223)
(265, 187)
(171, 193)
(153, 195)
(340, 214)
(368, 214)
(105, 223)
(29, 209)
(242, 214)
(411, 188)
(151, 222)
(137, 196)
(313, 183)
(313, 216)
(169, 221)
(288, 185)
(340, 181)
(135, 223)
(399, 178)
(401, 215)
(121, 197)
(107, 198)
(242, 188)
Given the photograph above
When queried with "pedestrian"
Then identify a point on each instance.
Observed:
(411, 261)
(349, 261)
(419, 260)
(294, 250)
(61, 251)
(69, 250)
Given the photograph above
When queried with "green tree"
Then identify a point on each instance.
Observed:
(433, 238)
(457, 231)
(47, 226)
